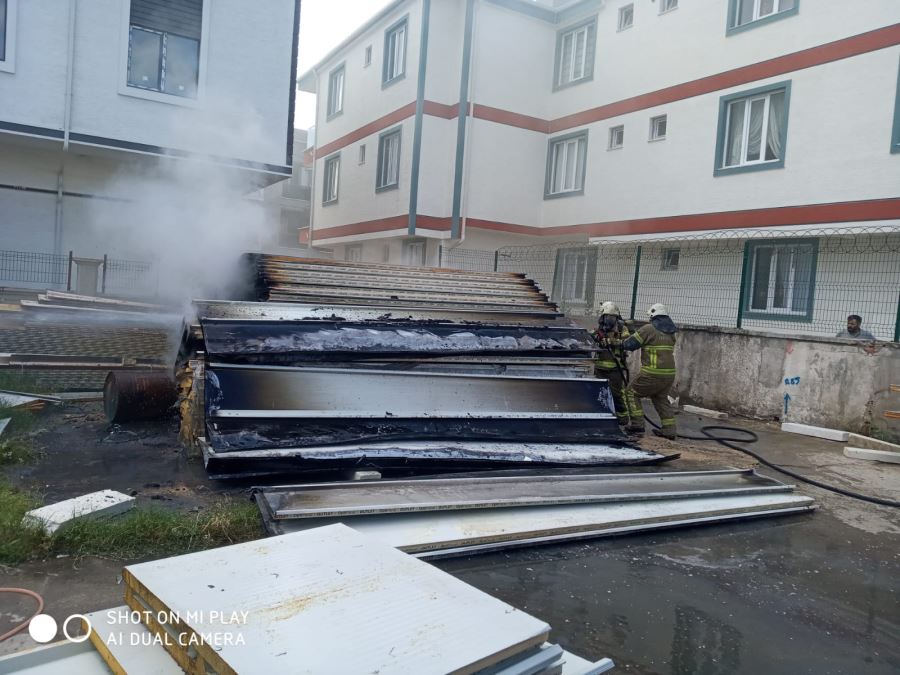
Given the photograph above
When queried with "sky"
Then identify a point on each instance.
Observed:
(323, 25)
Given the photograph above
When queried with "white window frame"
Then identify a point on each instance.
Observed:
(353, 253)
(161, 97)
(654, 130)
(410, 248)
(579, 70)
(399, 52)
(571, 143)
(670, 259)
(362, 153)
(334, 103)
(757, 9)
(745, 132)
(623, 12)
(613, 132)
(382, 170)
(666, 6)
(8, 63)
(331, 196)
(780, 248)
(367, 56)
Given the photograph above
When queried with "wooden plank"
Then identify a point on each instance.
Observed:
(873, 455)
(817, 432)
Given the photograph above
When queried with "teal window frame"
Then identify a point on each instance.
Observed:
(548, 176)
(751, 314)
(895, 136)
(326, 182)
(590, 49)
(388, 32)
(731, 27)
(724, 102)
(380, 168)
(331, 109)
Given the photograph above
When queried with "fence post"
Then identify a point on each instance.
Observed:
(103, 277)
(496, 259)
(637, 275)
(742, 295)
(69, 274)
(897, 322)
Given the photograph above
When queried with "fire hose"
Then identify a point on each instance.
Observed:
(21, 626)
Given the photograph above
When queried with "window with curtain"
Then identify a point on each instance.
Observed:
(746, 12)
(575, 48)
(566, 160)
(336, 91)
(782, 278)
(575, 275)
(753, 130)
(332, 175)
(394, 64)
(164, 46)
(388, 171)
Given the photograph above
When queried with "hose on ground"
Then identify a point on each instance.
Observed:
(729, 441)
(21, 626)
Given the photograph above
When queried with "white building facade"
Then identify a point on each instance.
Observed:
(102, 99)
(480, 124)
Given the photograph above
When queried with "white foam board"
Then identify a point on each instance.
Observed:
(58, 658)
(127, 646)
(818, 432)
(331, 600)
(706, 412)
(858, 441)
(873, 455)
(93, 505)
(15, 400)
(4, 423)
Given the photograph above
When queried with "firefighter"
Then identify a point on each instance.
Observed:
(610, 362)
(656, 340)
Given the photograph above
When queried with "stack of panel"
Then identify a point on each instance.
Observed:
(442, 517)
(400, 367)
(328, 600)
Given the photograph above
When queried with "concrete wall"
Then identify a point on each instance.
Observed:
(839, 384)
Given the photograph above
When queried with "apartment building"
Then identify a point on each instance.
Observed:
(287, 203)
(490, 123)
(104, 101)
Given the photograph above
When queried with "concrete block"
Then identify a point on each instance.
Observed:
(706, 412)
(818, 432)
(872, 455)
(858, 441)
(93, 505)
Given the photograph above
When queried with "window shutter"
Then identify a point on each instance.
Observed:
(180, 17)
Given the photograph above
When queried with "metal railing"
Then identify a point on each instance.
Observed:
(33, 268)
(801, 282)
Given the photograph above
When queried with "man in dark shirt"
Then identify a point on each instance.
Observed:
(854, 329)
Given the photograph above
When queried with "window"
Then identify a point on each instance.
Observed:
(670, 259)
(164, 46)
(667, 6)
(367, 59)
(753, 130)
(626, 17)
(2, 30)
(658, 128)
(388, 170)
(335, 92)
(895, 138)
(362, 153)
(332, 174)
(394, 66)
(566, 160)
(575, 54)
(414, 252)
(353, 253)
(781, 279)
(297, 187)
(743, 14)
(616, 137)
(573, 279)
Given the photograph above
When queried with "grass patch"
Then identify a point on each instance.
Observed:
(142, 532)
(16, 451)
(149, 531)
(24, 382)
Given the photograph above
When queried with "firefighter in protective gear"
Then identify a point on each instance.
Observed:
(656, 340)
(610, 363)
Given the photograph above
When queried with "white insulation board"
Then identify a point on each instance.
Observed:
(93, 505)
(873, 455)
(818, 432)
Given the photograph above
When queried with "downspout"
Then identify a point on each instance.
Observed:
(457, 229)
(420, 113)
(67, 123)
(312, 182)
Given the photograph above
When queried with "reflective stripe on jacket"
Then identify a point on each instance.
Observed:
(657, 350)
(606, 356)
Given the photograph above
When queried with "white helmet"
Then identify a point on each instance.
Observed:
(658, 309)
(610, 308)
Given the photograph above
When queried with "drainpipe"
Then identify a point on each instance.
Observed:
(312, 180)
(67, 123)
(457, 230)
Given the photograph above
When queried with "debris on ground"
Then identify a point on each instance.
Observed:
(706, 412)
(93, 505)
